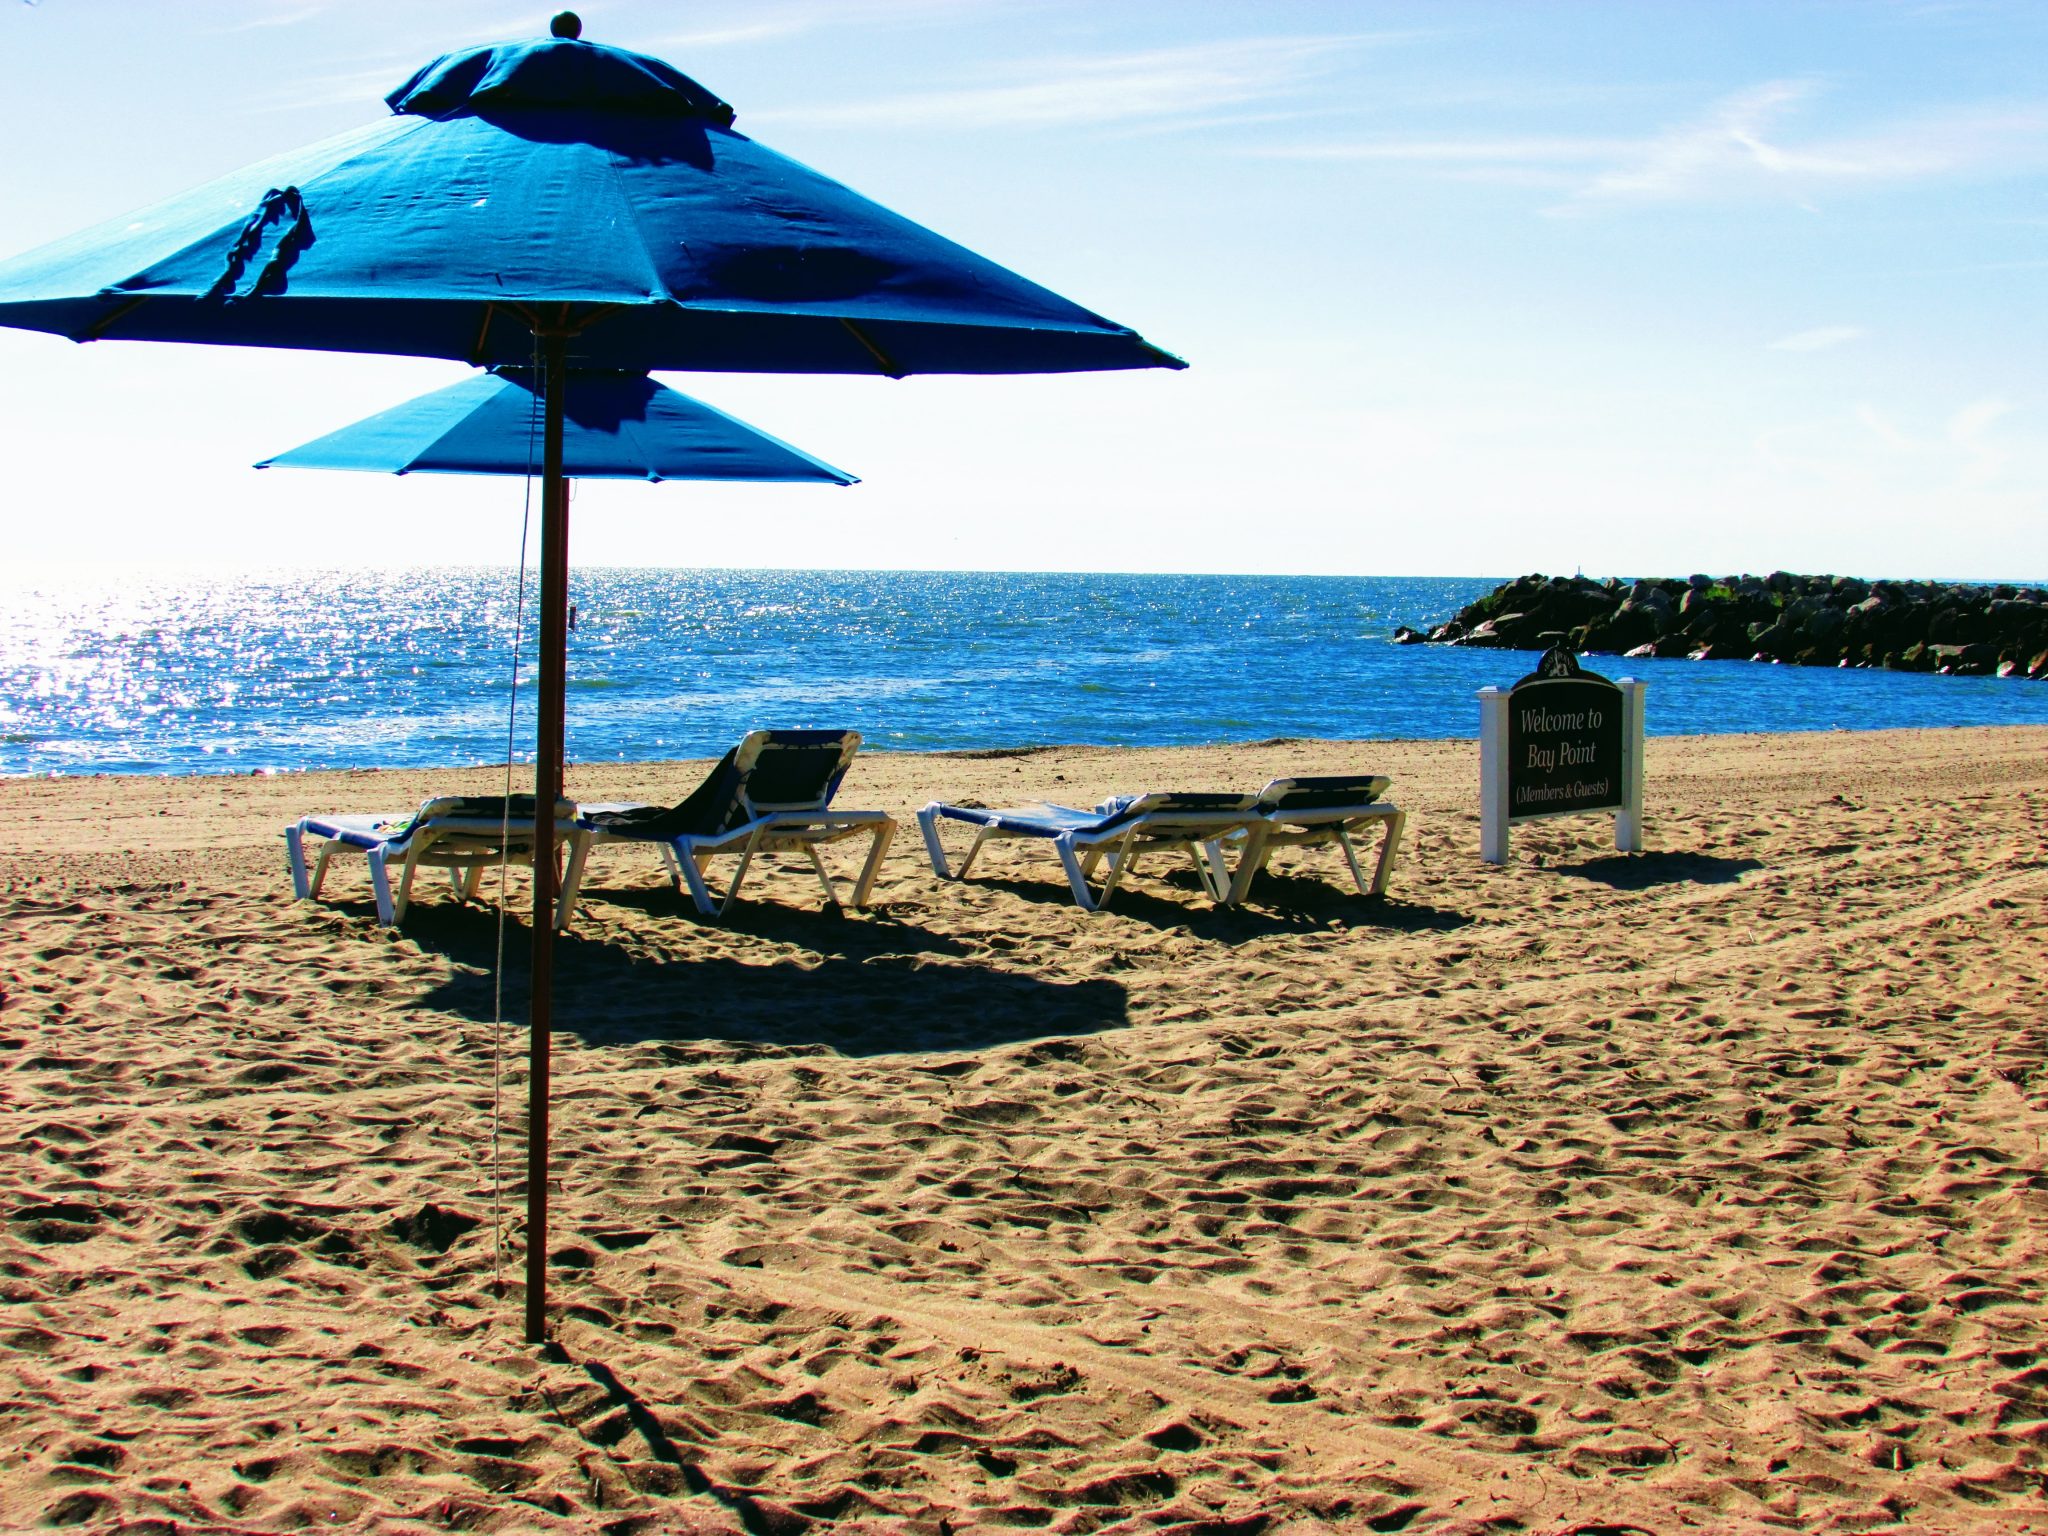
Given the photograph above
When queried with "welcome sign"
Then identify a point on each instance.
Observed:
(1561, 742)
(1564, 745)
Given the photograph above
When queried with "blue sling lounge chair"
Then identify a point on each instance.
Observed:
(1313, 812)
(463, 834)
(1119, 830)
(770, 794)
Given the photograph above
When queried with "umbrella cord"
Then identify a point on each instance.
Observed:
(504, 873)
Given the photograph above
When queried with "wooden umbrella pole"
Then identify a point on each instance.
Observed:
(547, 789)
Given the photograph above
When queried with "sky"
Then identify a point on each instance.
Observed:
(1465, 288)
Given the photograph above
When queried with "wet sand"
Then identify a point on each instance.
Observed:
(1702, 1189)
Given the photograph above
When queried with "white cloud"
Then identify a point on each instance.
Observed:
(1819, 339)
(287, 17)
(1970, 434)
(1452, 151)
(1056, 92)
(1744, 145)
(1739, 148)
(1962, 453)
(771, 21)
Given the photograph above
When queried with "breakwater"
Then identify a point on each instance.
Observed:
(1822, 621)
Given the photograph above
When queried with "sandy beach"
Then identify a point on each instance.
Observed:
(1697, 1190)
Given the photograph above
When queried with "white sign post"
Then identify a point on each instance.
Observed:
(1549, 747)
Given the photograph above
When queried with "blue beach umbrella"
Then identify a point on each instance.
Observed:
(618, 426)
(564, 190)
(562, 203)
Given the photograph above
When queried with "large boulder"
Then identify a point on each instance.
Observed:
(1975, 660)
(1505, 632)
(1825, 623)
(1776, 639)
(1956, 623)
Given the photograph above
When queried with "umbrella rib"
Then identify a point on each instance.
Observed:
(597, 312)
(882, 359)
(476, 353)
(112, 317)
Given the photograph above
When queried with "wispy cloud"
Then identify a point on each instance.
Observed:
(1554, 162)
(1867, 453)
(1107, 88)
(1970, 434)
(1746, 144)
(1452, 151)
(285, 16)
(1819, 339)
(770, 22)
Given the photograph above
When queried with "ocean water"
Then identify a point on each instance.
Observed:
(328, 669)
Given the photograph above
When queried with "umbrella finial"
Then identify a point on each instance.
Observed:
(566, 24)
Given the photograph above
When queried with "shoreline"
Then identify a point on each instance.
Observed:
(871, 751)
(1703, 1186)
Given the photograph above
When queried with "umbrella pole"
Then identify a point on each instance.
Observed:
(547, 789)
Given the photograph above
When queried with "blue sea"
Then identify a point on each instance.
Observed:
(333, 669)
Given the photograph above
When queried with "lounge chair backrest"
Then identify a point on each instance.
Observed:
(1166, 804)
(767, 771)
(1321, 794)
(477, 808)
(795, 770)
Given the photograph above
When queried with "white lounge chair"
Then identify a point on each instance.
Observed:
(770, 794)
(1312, 812)
(463, 834)
(1119, 830)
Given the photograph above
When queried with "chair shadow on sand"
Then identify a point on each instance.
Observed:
(876, 986)
(1639, 872)
(1278, 904)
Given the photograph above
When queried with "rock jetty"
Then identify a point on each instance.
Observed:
(1816, 621)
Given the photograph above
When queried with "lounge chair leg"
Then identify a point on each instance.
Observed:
(572, 880)
(404, 896)
(1215, 872)
(673, 866)
(319, 872)
(739, 875)
(981, 840)
(823, 879)
(380, 886)
(693, 877)
(1120, 863)
(295, 851)
(1351, 857)
(1077, 873)
(1257, 849)
(1390, 850)
(885, 833)
(928, 824)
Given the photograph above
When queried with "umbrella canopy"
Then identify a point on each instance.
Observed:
(563, 184)
(588, 205)
(620, 426)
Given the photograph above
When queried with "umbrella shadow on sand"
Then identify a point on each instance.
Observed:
(865, 986)
(1641, 871)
